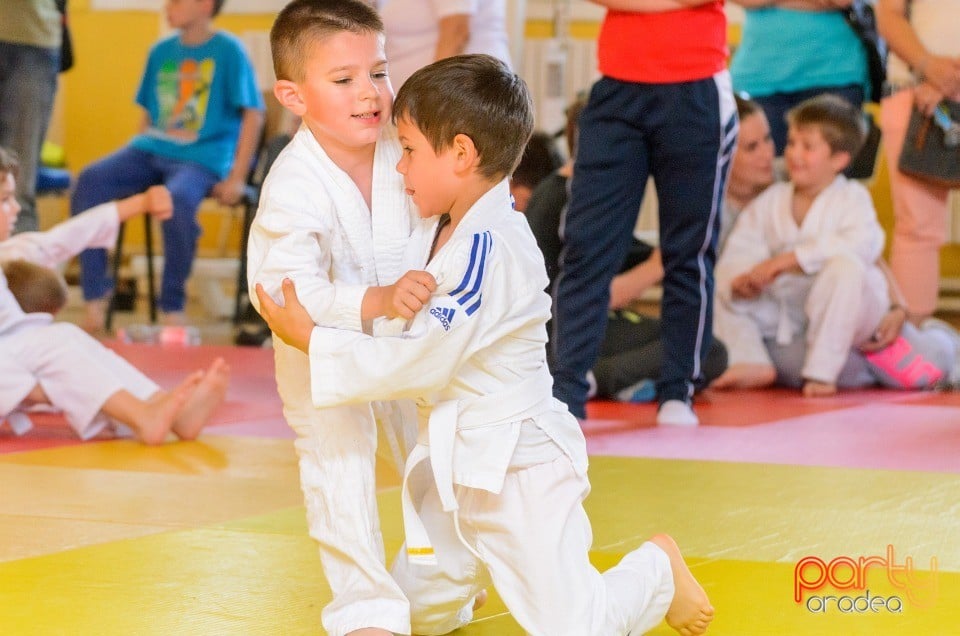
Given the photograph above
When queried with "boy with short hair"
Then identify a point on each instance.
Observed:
(508, 460)
(803, 256)
(202, 115)
(58, 364)
(333, 217)
(37, 289)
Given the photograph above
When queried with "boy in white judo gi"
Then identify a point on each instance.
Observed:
(58, 364)
(802, 258)
(334, 218)
(508, 461)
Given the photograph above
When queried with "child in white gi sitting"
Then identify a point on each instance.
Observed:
(58, 364)
(802, 258)
(509, 462)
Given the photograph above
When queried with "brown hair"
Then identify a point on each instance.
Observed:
(302, 23)
(36, 288)
(474, 95)
(8, 162)
(217, 5)
(745, 106)
(840, 123)
(540, 158)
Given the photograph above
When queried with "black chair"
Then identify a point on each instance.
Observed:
(251, 195)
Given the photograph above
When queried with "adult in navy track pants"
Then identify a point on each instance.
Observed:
(683, 134)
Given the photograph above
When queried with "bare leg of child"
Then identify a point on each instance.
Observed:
(813, 388)
(204, 400)
(480, 599)
(370, 631)
(746, 376)
(95, 316)
(690, 611)
(151, 420)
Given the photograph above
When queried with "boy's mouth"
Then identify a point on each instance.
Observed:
(369, 115)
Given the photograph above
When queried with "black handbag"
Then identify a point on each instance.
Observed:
(66, 46)
(928, 153)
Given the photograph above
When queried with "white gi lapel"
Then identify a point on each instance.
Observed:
(352, 212)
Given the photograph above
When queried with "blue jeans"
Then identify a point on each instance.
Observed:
(127, 172)
(775, 107)
(28, 82)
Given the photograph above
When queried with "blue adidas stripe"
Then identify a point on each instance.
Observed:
(480, 269)
(469, 273)
(482, 243)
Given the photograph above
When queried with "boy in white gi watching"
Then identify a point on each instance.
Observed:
(508, 461)
(58, 364)
(802, 257)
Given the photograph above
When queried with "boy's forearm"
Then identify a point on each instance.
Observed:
(372, 305)
(131, 206)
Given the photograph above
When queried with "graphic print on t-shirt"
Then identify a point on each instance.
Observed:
(183, 92)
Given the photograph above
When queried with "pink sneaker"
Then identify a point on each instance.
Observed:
(902, 366)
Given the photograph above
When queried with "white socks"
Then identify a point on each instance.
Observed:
(676, 413)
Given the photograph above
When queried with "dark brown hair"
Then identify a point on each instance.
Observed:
(840, 123)
(8, 162)
(302, 23)
(474, 95)
(36, 288)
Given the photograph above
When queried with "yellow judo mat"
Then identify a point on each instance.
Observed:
(209, 537)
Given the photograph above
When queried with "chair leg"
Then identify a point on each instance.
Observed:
(151, 282)
(249, 209)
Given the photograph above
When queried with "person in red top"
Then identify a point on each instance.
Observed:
(664, 108)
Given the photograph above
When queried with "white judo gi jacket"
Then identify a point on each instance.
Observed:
(841, 223)
(474, 358)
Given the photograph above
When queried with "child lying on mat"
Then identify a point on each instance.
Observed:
(60, 365)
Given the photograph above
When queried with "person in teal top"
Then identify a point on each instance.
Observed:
(787, 55)
(203, 112)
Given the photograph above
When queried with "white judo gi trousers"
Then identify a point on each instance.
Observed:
(77, 373)
(836, 308)
(336, 448)
(533, 540)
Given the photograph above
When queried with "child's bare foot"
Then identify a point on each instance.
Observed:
(813, 388)
(95, 316)
(154, 422)
(745, 376)
(370, 631)
(173, 318)
(480, 599)
(207, 395)
(690, 611)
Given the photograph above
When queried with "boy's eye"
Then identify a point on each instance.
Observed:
(379, 74)
(342, 80)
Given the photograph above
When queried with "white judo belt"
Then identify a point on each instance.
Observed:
(524, 400)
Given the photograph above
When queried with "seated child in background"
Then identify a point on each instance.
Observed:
(632, 349)
(508, 460)
(802, 258)
(58, 364)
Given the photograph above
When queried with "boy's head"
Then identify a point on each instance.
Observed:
(187, 13)
(9, 206)
(826, 123)
(303, 23)
(332, 71)
(476, 97)
(540, 158)
(36, 288)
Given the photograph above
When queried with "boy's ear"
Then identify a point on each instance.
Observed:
(840, 160)
(288, 94)
(465, 153)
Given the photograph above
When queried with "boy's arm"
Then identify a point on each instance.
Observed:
(351, 367)
(230, 190)
(93, 228)
(746, 247)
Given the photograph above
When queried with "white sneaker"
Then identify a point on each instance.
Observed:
(676, 413)
(935, 324)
